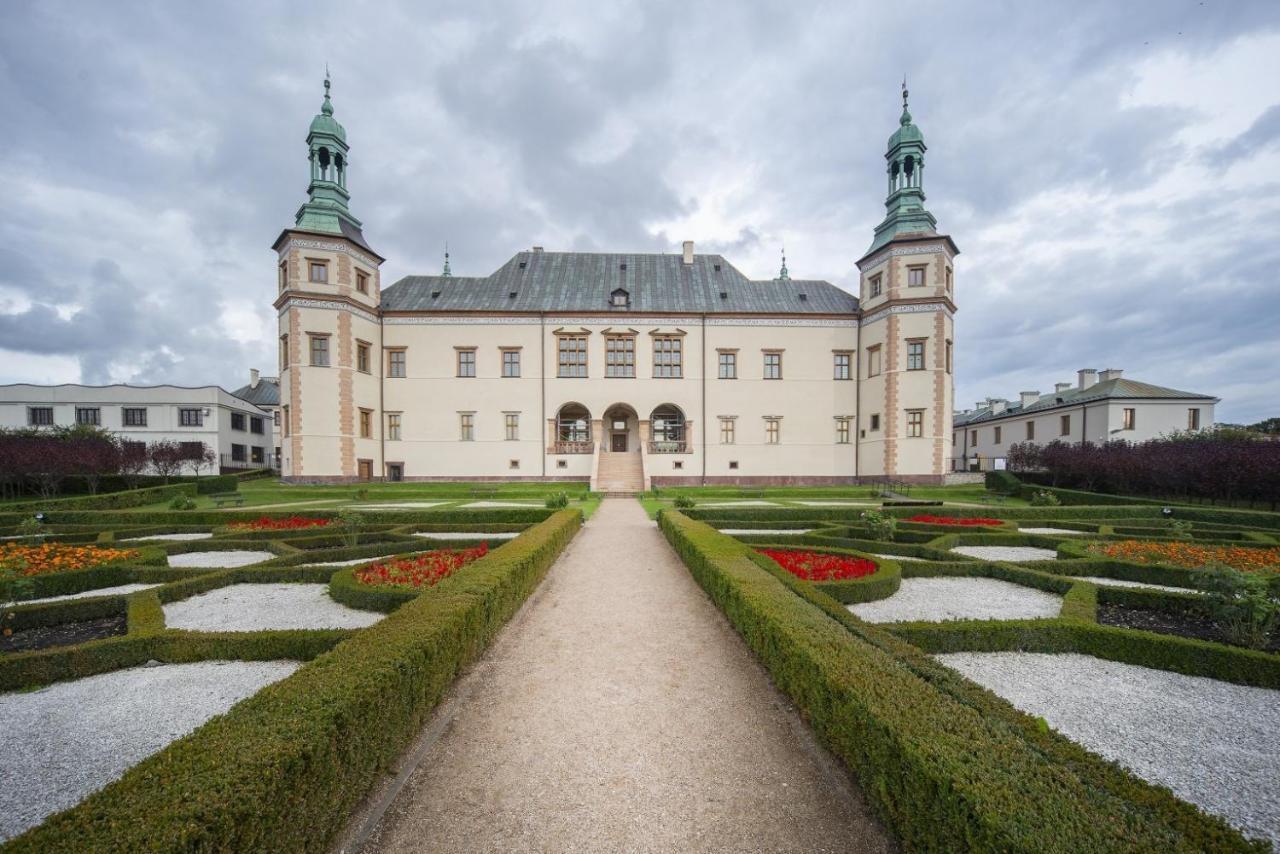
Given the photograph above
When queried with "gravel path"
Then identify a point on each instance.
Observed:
(85, 594)
(174, 537)
(354, 562)
(1116, 582)
(480, 504)
(396, 505)
(936, 599)
(782, 532)
(1061, 531)
(219, 560)
(619, 711)
(738, 504)
(258, 607)
(467, 535)
(1012, 554)
(1213, 743)
(63, 742)
(836, 503)
(896, 557)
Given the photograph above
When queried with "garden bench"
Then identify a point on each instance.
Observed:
(222, 498)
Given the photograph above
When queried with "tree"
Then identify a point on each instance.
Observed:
(167, 458)
(202, 457)
(134, 460)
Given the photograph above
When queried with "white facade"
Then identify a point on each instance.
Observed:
(1097, 408)
(237, 430)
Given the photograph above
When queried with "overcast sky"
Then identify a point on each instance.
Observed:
(1110, 171)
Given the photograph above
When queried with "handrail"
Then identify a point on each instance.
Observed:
(572, 448)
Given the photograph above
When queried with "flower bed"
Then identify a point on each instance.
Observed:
(424, 570)
(955, 520)
(58, 557)
(814, 566)
(287, 523)
(1191, 555)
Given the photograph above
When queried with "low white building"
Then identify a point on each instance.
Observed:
(1097, 408)
(239, 431)
(264, 393)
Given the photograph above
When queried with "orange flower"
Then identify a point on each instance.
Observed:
(59, 557)
(1192, 555)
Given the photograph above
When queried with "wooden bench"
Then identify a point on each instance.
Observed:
(222, 498)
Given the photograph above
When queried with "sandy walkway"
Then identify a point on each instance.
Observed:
(619, 711)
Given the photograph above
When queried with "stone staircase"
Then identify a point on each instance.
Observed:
(620, 473)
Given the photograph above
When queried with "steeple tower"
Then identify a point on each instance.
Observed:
(327, 196)
(783, 275)
(905, 202)
(447, 272)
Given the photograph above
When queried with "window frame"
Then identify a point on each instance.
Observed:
(127, 421)
(874, 425)
(284, 275)
(766, 366)
(1064, 424)
(1129, 418)
(772, 430)
(842, 372)
(728, 431)
(727, 359)
(915, 271)
(875, 285)
(321, 264)
(466, 426)
(33, 421)
(915, 424)
(1031, 431)
(843, 430)
(577, 365)
(919, 365)
(284, 351)
(395, 424)
(1193, 418)
(190, 416)
(465, 362)
(402, 363)
(668, 357)
(875, 360)
(314, 338)
(94, 420)
(950, 355)
(362, 281)
(285, 427)
(511, 426)
(997, 435)
(364, 364)
(365, 422)
(511, 366)
(620, 356)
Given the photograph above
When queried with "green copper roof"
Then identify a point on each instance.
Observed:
(905, 212)
(326, 207)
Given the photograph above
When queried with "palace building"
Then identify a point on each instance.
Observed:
(624, 369)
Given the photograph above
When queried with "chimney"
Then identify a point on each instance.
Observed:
(1088, 376)
(253, 378)
(1059, 388)
(998, 406)
(1029, 397)
(982, 404)
(1110, 374)
(537, 249)
(688, 252)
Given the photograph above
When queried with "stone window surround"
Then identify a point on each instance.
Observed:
(728, 429)
(364, 348)
(511, 425)
(721, 352)
(502, 353)
(459, 350)
(362, 281)
(611, 335)
(765, 353)
(678, 366)
(875, 285)
(562, 334)
(915, 422)
(405, 363)
(311, 348)
(875, 362)
(394, 427)
(843, 423)
(912, 269)
(366, 423)
(312, 264)
(848, 368)
(466, 426)
(924, 351)
(772, 429)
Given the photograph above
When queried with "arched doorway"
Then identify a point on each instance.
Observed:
(667, 427)
(573, 429)
(621, 429)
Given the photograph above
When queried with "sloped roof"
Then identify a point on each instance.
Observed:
(583, 281)
(266, 393)
(1110, 389)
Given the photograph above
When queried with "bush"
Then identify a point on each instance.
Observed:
(217, 484)
(1002, 481)
(182, 502)
(557, 501)
(1045, 498)
(1245, 605)
(881, 525)
(103, 501)
(350, 523)
(684, 502)
(283, 770)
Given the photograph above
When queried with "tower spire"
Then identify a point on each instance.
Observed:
(447, 273)
(783, 275)
(327, 152)
(904, 203)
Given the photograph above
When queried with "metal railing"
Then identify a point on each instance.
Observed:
(979, 464)
(228, 461)
(668, 446)
(572, 448)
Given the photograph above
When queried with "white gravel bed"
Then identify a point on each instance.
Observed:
(895, 557)
(836, 503)
(1061, 531)
(64, 742)
(85, 594)
(174, 537)
(399, 505)
(1013, 554)
(937, 599)
(782, 532)
(1116, 582)
(480, 504)
(259, 607)
(219, 560)
(1213, 743)
(748, 503)
(467, 535)
(355, 562)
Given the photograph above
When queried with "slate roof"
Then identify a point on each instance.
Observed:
(584, 281)
(267, 392)
(1110, 389)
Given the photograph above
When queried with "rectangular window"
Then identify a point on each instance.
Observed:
(973, 437)
(915, 423)
(620, 356)
(513, 464)
(726, 431)
(874, 365)
(284, 351)
(998, 437)
(948, 279)
(284, 275)
(393, 426)
(1065, 429)
(395, 472)
(915, 355)
(842, 431)
(668, 361)
(366, 423)
(256, 424)
(130, 448)
(238, 453)
(192, 449)
(1031, 431)
(237, 421)
(1130, 418)
(772, 431)
(319, 272)
(773, 366)
(466, 363)
(91, 416)
(190, 417)
(362, 282)
(467, 426)
(286, 426)
(133, 416)
(948, 356)
(257, 454)
(511, 363)
(512, 421)
(915, 277)
(40, 416)
(275, 417)
(841, 366)
(877, 285)
(362, 357)
(1193, 419)
(875, 422)
(396, 363)
(572, 356)
(728, 366)
(319, 350)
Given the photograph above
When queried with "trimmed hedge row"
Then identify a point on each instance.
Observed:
(108, 520)
(881, 584)
(947, 765)
(12, 513)
(283, 769)
(344, 588)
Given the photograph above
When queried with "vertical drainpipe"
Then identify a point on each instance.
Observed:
(1084, 423)
(382, 383)
(542, 379)
(704, 398)
(857, 397)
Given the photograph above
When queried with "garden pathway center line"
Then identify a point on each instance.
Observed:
(620, 711)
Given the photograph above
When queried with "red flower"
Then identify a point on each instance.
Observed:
(954, 520)
(424, 570)
(287, 523)
(814, 566)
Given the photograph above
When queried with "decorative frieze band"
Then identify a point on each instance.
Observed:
(905, 308)
(901, 250)
(490, 320)
(330, 305)
(326, 246)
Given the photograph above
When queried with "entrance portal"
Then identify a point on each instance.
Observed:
(623, 428)
(618, 444)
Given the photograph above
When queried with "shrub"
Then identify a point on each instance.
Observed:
(1245, 606)
(881, 525)
(30, 528)
(1045, 498)
(557, 501)
(1002, 481)
(182, 502)
(1180, 528)
(685, 501)
(350, 523)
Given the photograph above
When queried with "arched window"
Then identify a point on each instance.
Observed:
(324, 163)
(573, 423)
(667, 423)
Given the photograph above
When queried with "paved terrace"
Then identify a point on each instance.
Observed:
(620, 711)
